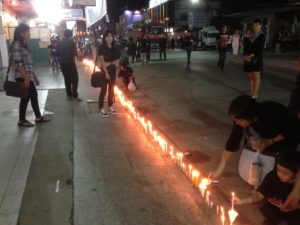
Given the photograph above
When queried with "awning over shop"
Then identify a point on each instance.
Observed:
(95, 13)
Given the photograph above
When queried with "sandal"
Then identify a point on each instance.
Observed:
(25, 123)
(42, 119)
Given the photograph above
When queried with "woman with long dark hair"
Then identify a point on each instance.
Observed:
(24, 73)
(253, 58)
(109, 55)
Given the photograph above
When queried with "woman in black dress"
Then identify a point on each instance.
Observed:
(109, 55)
(253, 57)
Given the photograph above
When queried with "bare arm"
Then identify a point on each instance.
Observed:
(24, 75)
(255, 197)
(104, 66)
(293, 200)
(226, 156)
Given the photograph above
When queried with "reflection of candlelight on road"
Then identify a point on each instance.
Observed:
(232, 216)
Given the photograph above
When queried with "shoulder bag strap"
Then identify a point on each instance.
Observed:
(9, 63)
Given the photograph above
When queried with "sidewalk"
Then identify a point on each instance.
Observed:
(17, 148)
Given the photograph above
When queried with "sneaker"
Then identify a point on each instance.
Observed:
(112, 110)
(77, 99)
(103, 113)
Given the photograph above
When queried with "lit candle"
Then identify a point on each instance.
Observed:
(211, 205)
(195, 178)
(155, 136)
(207, 198)
(180, 156)
(166, 148)
(222, 216)
(217, 210)
(232, 200)
(202, 187)
(190, 171)
(150, 127)
(184, 168)
(232, 216)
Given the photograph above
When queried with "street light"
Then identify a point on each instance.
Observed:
(195, 1)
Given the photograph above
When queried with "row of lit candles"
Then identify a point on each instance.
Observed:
(191, 173)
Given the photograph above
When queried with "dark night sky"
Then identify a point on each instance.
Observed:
(238, 5)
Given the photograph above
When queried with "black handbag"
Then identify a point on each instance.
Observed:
(98, 77)
(14, 88)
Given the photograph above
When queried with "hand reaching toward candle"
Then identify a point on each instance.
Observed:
(255, 197)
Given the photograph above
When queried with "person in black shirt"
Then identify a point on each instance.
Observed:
(254, 120)
(292, 134)
(253, 58)
(222, 41)
(163, 46)
(131, 50)
(67, 51)
(145, 48)
(188, 45)
(109, 55)
(275, 189)
(54, 55)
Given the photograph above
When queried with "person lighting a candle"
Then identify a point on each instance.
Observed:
(275, 188)
(254, 121)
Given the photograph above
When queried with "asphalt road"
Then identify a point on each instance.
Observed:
(118, 177)
(189, 104)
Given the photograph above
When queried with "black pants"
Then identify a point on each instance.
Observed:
(70, 73)
(162, 51)
(222, 57)
(111, 94)
(33, 97)
(189, 52)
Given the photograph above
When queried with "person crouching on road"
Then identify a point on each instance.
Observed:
(24, 73)
(255, 121)
(126, 74)
(67, 52)
(109, 55)
(275, 189)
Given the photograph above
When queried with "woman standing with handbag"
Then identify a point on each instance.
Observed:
(109, 55)
(253, 58)
(24, 73)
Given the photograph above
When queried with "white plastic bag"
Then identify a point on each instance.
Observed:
(131, 86)
(255, 170)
